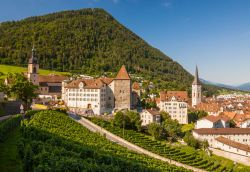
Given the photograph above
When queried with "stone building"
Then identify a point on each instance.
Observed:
(101, 95)
(122, 89)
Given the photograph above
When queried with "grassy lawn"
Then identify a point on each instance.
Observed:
(9, 159)
(5, 69)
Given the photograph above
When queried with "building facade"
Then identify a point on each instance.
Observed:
(234, 140)
(232, 146)
(213, 122)
(101, 95)
(149, 116)
(240, 135)
(175, 104)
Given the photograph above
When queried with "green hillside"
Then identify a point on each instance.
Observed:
(54, 142)
(5, 69)
(89, 41)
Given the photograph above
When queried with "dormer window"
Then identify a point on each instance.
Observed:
(81, 84)
(173, 99)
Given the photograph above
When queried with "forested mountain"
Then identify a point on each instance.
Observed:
(245, 86)
(90, 41)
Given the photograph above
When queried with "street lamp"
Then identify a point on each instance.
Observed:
(22, 110)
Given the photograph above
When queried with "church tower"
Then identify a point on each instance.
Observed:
(196, 89)
(33, 68)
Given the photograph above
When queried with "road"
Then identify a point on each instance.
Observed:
(95, 128)
(5, 117)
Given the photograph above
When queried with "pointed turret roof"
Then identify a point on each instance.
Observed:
(196, 77)
(33, 59)
(123, 74)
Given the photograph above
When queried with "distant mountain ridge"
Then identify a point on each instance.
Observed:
(243, 87)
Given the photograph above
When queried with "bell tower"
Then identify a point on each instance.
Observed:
(196, 89)
(33, 68)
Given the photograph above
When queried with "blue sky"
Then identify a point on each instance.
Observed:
(214, 34)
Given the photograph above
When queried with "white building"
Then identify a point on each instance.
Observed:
(240, 135)
(149, 116)
(196, 89)
(101, 95)
(213, 122)
(175, 104)
(245, 123)
(232, 146)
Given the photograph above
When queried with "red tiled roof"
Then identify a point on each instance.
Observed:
(208, 107)
(106, 80)
(240, 118)
(224, 118)
(233, 144)
(225, 131)
(123, 74)
(153, 111)
(51, 78)
(230, 115)
(179, 95)
(212, 118)
(88, 83)
(136, 86)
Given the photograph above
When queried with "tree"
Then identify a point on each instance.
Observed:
(128, 119)
(191, 141)
(155, 130)
(193, 116)
(187, 127)
(4, 88)
(204, 145)
(121, 119)
(148, 104)
(134, 119)
(232, 124)
(22, 89)
(164, 115)
(172, 129)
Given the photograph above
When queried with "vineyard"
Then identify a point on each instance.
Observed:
(54, 142)
(7, 125)
(9, 136)
(192, 158)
